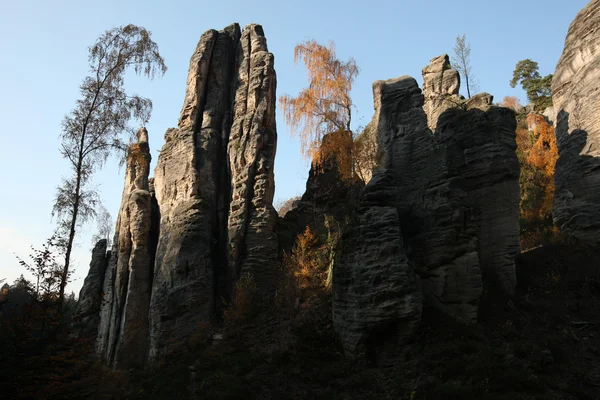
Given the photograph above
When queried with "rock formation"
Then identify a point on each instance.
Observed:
(436, 219)
(123, 334)
(441, 85)
(479, 142)
(251, 153)
(576, 98)
(481, 149)
(214, 185)
(87, 314)
(185, 236)
(442, 208)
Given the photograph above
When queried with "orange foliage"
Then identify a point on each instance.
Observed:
(537, 151)
(512, 102)
(543, 156)
(308, 259)
(325, 106)
(335, 147)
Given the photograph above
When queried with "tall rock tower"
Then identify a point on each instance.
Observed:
(576, 101)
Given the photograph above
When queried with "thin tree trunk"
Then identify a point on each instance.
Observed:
(65, 272)
(468, 88)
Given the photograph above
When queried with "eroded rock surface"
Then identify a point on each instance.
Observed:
(123, 334)
(576, 98)
(87, 314)
(441, 85)
(251, 152)
(441, 209)
(481, 148)
(436, 219)
(214, 185)
(377, 301)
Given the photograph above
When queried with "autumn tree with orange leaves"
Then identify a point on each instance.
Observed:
(537, 152)
(324, 107)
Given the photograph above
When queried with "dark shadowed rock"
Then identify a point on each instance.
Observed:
(440, 206)
(87, 314)
(376, 296)
(436, 219)
(576, 98)
(481, 147)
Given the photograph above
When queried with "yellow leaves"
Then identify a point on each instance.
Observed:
(308, 260)
(325, 105)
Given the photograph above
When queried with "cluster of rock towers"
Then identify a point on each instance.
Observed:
(436, 223)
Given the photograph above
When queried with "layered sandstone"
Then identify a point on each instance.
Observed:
(576, 98)
(438, 220)
(123, 334)
(87, 314)
(214, 185)
(441, 85)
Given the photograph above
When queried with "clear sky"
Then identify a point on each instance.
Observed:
(43, 59)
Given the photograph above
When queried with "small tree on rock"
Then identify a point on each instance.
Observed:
(461, 61)
(325, 106)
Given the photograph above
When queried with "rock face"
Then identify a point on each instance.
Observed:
(441, 85)
(576, 98)
(377, 300)
(87, 315)
(481, 148)
(436, 219)
(184, 237)
(251, 153)
(123, 334)
(214, 185)
(441, 209)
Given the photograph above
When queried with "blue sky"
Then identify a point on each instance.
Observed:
(43, 59)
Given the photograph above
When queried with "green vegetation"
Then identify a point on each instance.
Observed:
(537, 87)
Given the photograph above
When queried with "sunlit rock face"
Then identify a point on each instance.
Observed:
(576, 98)
(123, 332)
(441, 85)
(214, 184)
(184, 237)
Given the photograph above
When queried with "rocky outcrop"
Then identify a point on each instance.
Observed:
(87, 314)
(441, 209)
(376, 299)
(251, 152)
(214, 185)
(441, 85)
(481, 149)
(123, 334)
(576, 101)
(436, 219)
(479, 142)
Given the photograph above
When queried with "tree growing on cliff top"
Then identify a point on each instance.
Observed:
(99, 123)
(325, 106)
(461, 61)
(538, 88)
